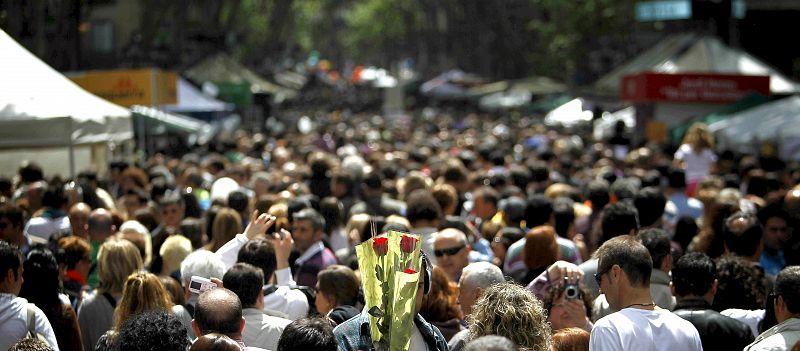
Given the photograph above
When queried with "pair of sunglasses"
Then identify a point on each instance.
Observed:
(449, 251)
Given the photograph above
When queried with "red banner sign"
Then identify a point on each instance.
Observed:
(713, 88)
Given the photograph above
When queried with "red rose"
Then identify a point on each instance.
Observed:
(380, 245)
(410, 271)
(407, 243)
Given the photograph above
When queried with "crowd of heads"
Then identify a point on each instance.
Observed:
(497, 203)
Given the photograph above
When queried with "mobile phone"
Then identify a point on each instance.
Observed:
(199, 284)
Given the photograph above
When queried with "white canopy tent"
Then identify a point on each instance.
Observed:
(191, 99)
(692, 53)
(46, 118)
(774, 121)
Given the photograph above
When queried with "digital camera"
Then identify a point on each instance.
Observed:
(199, 284)
(572, 290)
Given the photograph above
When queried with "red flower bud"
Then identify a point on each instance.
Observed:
(381, 246)
(407, 243)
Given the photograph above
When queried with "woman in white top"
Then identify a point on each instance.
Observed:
(696, 156)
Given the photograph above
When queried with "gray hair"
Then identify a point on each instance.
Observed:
(491, 343)
(134, 227)
(482, 275)
(202, 263)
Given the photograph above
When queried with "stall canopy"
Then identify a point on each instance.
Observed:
(775, 121)
(47, 118)
(450, 85)
(159, 122)
(693, 53)
(749, 101)
(39, 107)
(223, 68)
(192, 101)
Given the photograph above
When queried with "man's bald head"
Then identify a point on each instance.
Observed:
(792, 202)
(218, 311)
(100, 224)
(452, 234)
(79, 219)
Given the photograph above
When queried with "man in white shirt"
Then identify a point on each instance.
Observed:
(14, 311)
(260, 328)
(272, 256)
(623, 273)
(785, 335)
(53, 219)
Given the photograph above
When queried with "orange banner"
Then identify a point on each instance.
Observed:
(147, 86)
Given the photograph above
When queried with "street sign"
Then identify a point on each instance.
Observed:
(663, 10)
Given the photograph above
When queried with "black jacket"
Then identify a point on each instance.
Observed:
(717, 332)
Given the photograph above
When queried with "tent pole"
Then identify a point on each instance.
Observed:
(71, 151)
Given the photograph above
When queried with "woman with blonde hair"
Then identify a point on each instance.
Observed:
(510, 310)
(226, 225)
(696, 156)
(116, 260)
(142, 292)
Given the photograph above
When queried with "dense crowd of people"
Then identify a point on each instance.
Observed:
(534, 238)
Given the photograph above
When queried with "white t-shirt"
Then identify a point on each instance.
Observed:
(46, 227)
(698, 166)
(417, 341)
(749, 317)
(644, 330)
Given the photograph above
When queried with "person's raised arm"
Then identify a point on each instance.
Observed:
(258, 225)
(555, 273)
(283, 244)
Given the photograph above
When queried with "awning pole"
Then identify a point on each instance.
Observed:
(71, 151)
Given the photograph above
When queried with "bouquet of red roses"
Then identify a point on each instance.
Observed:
(390, 264)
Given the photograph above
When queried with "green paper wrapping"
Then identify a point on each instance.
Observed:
(390, 288)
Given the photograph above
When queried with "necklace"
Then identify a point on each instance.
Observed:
(651, 304)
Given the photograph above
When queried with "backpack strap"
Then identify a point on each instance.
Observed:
(31, 321)
(110, 299)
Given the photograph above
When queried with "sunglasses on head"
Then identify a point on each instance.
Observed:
(449, 251)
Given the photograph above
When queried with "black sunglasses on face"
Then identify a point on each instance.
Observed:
(449, 251)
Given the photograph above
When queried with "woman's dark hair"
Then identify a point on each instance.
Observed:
(333, 211)
(191, 205)
(685, 230)
(215, 342)
(41, 285)
(211, 214)
(153, 331)
(308, 334)
(340, 283)
(740, 285)
(440, 304)
(510, 235)
(192, 229)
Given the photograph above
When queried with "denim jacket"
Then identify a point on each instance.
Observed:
(354, 334)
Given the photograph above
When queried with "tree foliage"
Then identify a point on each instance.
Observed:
(570, 40)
